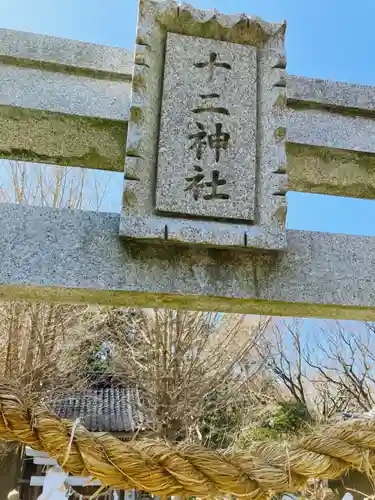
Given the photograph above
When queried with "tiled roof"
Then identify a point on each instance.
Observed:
(110, 409)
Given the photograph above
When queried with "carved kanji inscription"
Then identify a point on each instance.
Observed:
(207, 143)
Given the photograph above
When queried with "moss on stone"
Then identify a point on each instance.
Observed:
(57, 138)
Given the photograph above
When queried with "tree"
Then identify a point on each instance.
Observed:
(345, 368)
(283, 354)
(189, 367)
(328, 369)
(289, 416)
(283, 419)
(33, 335)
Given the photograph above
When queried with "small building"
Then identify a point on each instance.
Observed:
(104, 408)
(101, 408)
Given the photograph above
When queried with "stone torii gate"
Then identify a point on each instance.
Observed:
(212, 132)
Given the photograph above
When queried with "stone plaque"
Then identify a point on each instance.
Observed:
(205, 150)
(207, 144)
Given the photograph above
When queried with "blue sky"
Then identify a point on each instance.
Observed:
(325, 39)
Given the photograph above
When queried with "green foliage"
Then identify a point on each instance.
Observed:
(283, 421)
(222, 427)
(289, 416)
(263, 434)
(98, 364)
(256, 433)
(220, 424)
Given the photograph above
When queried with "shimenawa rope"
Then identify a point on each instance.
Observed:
(189, 470)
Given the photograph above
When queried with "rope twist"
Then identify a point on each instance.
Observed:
(189, 470)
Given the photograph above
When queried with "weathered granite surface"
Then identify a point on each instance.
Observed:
(317, 161)
(139, 216)
(238, 28)
(75, 256)
(66, 93)
(32, 50)
(208, 124)
(61, 139)
(177, 230)
(329, 94)
(62, 101)
(331, 153)
(317, 127)
(78, 256)
(335, 172)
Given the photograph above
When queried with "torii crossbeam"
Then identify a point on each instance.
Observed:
(71, 103)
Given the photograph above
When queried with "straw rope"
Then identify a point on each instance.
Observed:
(189, 470)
